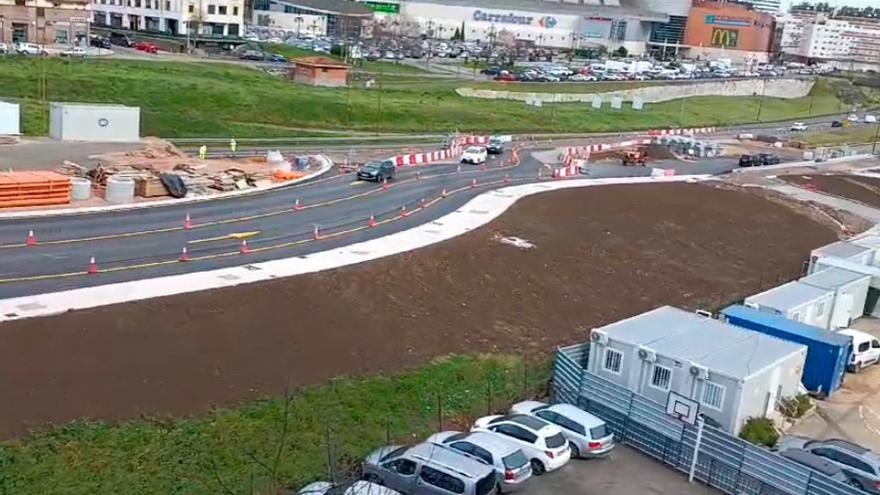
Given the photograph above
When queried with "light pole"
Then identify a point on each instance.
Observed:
(299, 21)
(876, 137)
(761, 101)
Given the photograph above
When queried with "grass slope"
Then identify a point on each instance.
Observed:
(190, 100)
(248, 449)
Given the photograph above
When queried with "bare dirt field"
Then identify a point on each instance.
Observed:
(599, 254)
(859, 188)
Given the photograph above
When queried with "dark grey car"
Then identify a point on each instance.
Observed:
(861, 466)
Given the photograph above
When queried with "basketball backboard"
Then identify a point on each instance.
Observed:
(682, 408)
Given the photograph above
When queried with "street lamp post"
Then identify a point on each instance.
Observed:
(876, 137)
(299, 21)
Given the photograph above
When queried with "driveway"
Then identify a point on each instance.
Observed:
(624, 472)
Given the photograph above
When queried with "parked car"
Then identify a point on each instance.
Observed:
(505, 76)
(475, 155)
(512, 467)
(29, 49)
(121, 40)
(99, 42)
(377, 171)
(541, 442)
(491, 71)
(748, 161)
(428, 469)
(277, 58)
(768, 159)
(587, 435)
(816, 463)
(836, 123)
(870, 119)
(866, 350)
(495, 147)
(146, 46)
(798, 127)
(255, 55)
(74, 51)
(4, 48)
(359, 487)
(861, 466)
(853, 117)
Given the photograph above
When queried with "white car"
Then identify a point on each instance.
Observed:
(4, 48)
(798, 127)
(356, 488)
(74, 51)
(866, 350)
(29, 49)
(853, 118)
(475, 155)
(870, 119)
(587, 435)
(542, 442)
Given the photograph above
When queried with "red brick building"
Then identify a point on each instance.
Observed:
(319, 71)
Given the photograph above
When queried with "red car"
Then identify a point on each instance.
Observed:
(146, 47)
(505, 77)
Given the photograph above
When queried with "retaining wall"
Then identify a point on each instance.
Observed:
(772, 88)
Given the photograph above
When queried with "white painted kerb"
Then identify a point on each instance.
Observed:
(475, 213)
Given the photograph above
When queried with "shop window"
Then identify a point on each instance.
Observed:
(212, 9)
(221, 10)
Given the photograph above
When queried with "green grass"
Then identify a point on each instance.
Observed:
(246, 450)
(376, 66)
(848, 135)
(190, 100)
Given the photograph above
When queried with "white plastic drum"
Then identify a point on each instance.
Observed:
(120, 190)
(80, 189)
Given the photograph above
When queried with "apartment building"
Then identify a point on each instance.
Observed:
(44, 22)
(833, 37)
(177, 17)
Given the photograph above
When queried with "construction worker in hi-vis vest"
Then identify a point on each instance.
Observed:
(233, 146)
(203, 152)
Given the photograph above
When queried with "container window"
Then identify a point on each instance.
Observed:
(661, 377)
(713, 395)
(820, 310)
(613, 360)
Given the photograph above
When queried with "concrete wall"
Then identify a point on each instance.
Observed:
(772, 88)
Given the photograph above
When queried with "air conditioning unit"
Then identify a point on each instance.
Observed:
(700, 372)
(599, 337)
(703, 312)
(750, 305)
(648, 355)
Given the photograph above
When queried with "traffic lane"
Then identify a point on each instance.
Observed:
(231, 257)
(624, 471)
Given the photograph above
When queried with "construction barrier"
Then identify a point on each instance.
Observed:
(440, 155)
(33, 189)
(571, 153)
(677, 132)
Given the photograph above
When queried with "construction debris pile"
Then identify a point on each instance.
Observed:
(160, 169)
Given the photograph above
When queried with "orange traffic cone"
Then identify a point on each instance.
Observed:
(418, 175)
(384, 183)
(483, 167)
(317, 234)
(187, 222)
(507, 178)
(296, 206)
(31, 238)
(443, 193)
(423, 204)
(458, 169)
(371, 222)
(474, 182)
(403, 211)
(184, 255)
(93, 267)
(244, 247)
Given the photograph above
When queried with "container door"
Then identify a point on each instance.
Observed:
(841, 317)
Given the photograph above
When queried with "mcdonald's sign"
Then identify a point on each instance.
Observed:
(726, 38)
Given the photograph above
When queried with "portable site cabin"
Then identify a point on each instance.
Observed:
(842, 250)
(732, 372)
(94, 122)
(796, 301)
(828, 352)
(10, 119)
(850, 290)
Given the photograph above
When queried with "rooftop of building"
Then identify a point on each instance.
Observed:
(338, 7)
(632, 8)
(786, 296)
(319, 61)
(691, 338)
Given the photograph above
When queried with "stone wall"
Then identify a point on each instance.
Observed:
(772, 88)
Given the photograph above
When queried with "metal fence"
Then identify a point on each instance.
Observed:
(725, 462)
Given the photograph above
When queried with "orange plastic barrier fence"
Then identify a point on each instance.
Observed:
(285, 175)
(33, 189)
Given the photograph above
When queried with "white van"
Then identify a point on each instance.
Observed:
(870, 119)
(866, 350)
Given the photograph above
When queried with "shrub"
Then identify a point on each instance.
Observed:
(796, 406)
(760, 431)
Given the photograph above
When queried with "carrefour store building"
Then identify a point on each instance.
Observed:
(557, 24)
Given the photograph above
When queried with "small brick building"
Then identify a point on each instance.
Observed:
(319, 71)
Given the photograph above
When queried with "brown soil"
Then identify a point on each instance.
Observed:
(600, 254)
(863, 189)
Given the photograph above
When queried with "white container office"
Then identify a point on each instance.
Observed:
(844, 250)
(94, 122)
(798, 302)
(850, 291)
(10, 119)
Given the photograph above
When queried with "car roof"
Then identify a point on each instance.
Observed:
(577, 414)
(857, 335)
(530, 422)
(492, 443)
(449, 460)
(812, 461)
(844, 445)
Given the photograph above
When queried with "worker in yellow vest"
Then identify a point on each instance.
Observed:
(203, 152)
(233, 146)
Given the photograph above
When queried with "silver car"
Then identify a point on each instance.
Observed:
(429, 469)
(587, 435)
(861, 466)
(816, 463)
(512, 467)
(359, 487)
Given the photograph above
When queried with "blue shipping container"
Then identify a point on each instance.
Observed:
(827, 352)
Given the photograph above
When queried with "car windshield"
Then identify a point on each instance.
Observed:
(555, 441)
(600, 431)
(474, 150)
(456, 437)
(495, 142)
(394, 453)
(373, 166)
(515, 460)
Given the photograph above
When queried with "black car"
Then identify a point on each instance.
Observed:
(491, 71)
(121, 40)
(768, 159)
(837, 123)
(495, 147)
(748, 161)
(377, 171)
(99, 42)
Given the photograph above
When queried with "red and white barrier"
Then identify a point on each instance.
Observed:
(679, 132)
(567, 171)
(439, 155)
(576, 152)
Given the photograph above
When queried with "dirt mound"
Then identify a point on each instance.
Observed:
(855, 187)
(542, 275)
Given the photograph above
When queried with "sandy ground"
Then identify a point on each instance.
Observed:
(600, 254)
(858, 188)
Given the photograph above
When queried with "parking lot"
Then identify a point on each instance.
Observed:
(624, 472)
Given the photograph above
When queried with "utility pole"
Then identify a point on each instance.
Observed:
(761, 101)
(876, 137)
(379, 105)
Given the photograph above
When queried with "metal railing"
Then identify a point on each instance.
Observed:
(724, 462)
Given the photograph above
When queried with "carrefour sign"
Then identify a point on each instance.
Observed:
(511, 18)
